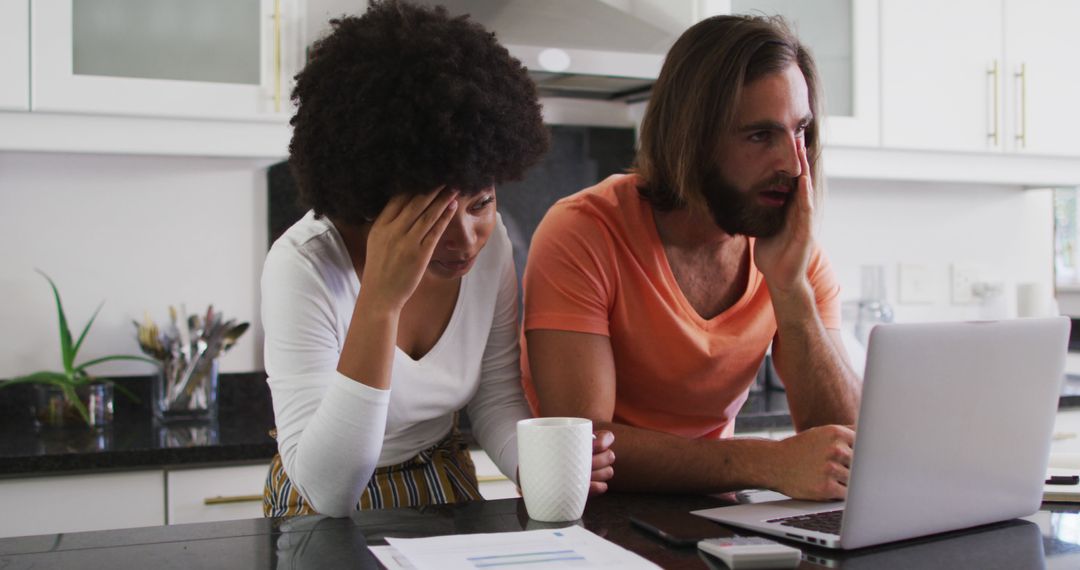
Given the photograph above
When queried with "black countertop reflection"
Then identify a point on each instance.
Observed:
(135, 440)
(1050, 538)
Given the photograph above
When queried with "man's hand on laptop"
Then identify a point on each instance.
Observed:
(815, 464)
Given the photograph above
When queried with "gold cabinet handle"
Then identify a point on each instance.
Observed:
(1021, 136)
(993, 74)
(491, 478)
(219, 500)
(277, 56)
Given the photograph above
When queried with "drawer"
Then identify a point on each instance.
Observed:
(77, 503)
(216, 493)
(493, 484)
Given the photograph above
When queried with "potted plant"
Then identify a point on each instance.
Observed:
(63, 397)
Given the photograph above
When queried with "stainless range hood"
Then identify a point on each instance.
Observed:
(575, 48)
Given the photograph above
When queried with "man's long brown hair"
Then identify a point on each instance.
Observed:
(694, 102)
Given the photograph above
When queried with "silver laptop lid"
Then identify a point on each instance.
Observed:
(954, 427)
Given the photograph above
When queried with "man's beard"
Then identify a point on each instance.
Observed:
(738, 212)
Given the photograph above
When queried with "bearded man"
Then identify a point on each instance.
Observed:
(652, 297)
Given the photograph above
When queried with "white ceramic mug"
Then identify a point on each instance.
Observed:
(555, 463)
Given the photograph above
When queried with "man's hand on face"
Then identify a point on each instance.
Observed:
(783, 258)
(815, 464)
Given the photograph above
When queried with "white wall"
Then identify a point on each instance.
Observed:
(1004, 231)
(140, 233)
(146, 232)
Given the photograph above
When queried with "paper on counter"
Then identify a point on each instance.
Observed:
(390, 558)
(567, 547)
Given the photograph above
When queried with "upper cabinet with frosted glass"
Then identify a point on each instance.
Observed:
(612, 49)
(15, 55)
(843, 37)
(213, 59)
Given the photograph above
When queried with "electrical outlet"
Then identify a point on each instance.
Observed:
(964, 277)
(916, 284)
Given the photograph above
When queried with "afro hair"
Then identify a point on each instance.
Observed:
(405, 99)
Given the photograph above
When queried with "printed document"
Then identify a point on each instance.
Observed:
(570, 547)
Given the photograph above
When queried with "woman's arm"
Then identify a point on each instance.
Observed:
(399, 246)
(499, 401)
(331, 408)
(329, 428)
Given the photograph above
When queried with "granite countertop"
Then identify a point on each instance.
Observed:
(135, 440)
(241, 434)
(1045, 540)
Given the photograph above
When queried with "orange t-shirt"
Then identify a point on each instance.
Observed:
(596, 265)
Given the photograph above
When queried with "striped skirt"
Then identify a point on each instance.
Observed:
(443, 473)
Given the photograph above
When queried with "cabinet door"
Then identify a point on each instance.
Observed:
(77, 503)
(1043, 76)
(843, 36)
(216, 494)
(180, 58)
(939, 86)
(493, 484)
(15, 55)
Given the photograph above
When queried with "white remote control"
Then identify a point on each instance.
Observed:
(751, 552)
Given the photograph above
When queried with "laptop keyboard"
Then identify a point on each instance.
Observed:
(827, 522)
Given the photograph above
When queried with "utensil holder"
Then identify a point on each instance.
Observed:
(178, 396)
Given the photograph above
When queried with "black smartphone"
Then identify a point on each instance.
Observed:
(679, 528)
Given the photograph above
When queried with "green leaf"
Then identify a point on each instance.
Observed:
(80, 378)
(72, 397)
(43, 377)
(82, 367)
(66, 354)
(85, 330)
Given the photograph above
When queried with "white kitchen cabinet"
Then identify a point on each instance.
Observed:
(1044, 76)
(951, 76)
(939, 86)
(843, 36)
(493, 484)
(77, 503)
(15, 55)
(215, 494)
(166, 58)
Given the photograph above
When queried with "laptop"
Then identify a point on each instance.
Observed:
(954, 431)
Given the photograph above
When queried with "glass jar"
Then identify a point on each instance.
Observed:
(52, 409)
(182, 395)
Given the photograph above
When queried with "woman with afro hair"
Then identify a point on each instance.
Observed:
(393, 303)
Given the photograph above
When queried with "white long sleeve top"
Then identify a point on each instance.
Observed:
(333, 432)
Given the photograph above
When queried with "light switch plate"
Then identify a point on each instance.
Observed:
(916, 284)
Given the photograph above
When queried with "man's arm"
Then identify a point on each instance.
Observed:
(821, 386)
(574, 375)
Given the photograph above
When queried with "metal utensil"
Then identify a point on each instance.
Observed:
(233, 335)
